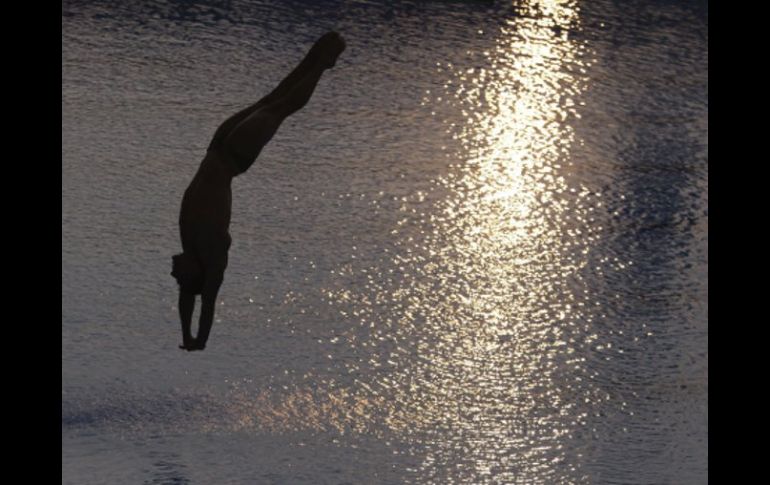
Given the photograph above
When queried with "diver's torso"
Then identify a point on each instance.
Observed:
(206, 205)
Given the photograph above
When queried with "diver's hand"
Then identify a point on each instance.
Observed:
(192, 345)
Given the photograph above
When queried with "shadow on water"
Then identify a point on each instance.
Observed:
(167, 470)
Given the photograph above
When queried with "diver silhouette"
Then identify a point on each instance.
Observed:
(204, 218)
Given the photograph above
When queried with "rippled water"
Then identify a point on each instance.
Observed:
(479, 254)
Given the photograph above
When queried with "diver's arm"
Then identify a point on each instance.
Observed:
(186, 307)
(209, 300)
(214, 269)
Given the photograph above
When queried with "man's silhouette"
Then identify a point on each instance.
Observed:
(206, 206)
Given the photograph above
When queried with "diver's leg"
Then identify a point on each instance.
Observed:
(186, 306)
(248, 138)
(319, 53)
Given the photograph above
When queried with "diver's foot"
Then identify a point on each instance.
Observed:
(330, 47)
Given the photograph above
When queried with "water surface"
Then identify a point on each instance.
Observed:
(479, 254)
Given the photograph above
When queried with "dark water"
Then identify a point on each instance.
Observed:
(479, 254)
